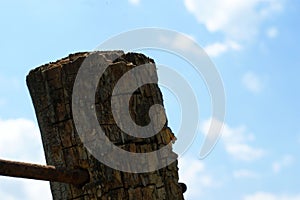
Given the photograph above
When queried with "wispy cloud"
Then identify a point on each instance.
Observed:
(236, 142)
(253, 82)
(193, 172)
(15, 189)
(218, 48)
(232, 17)
(285, 161)
(20, 141)
(188, 43)
(134, 2)
(270, 196)
(184, 42)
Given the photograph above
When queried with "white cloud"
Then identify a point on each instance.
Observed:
(34, 189)
(184, 42)
(272, 32)
(25, 189)
(244, 152)
(236, 142)
(218, 48)
(244, 173)
(134, 2)
(193, 173)
(20, 141)
(270, 196)
(252, 82)
(181, 42)
(286, 161)
(235, 18)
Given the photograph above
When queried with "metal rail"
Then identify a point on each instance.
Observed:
(77, 177)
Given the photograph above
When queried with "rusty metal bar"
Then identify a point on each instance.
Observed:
(76, 177)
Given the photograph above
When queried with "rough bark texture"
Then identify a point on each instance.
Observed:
(51, 87)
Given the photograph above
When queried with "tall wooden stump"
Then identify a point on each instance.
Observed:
(51, 89)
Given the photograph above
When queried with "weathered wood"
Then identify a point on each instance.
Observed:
(77, 177)
(51, 88)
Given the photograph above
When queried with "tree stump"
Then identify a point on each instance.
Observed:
(51, 87)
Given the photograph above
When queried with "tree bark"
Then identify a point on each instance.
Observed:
(51, 89)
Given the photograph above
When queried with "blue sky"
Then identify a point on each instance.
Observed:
(253, 43)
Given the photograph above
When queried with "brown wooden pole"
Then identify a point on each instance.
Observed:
(51, 88)
(43, 172)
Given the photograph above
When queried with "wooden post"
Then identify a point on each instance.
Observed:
(51, 89)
